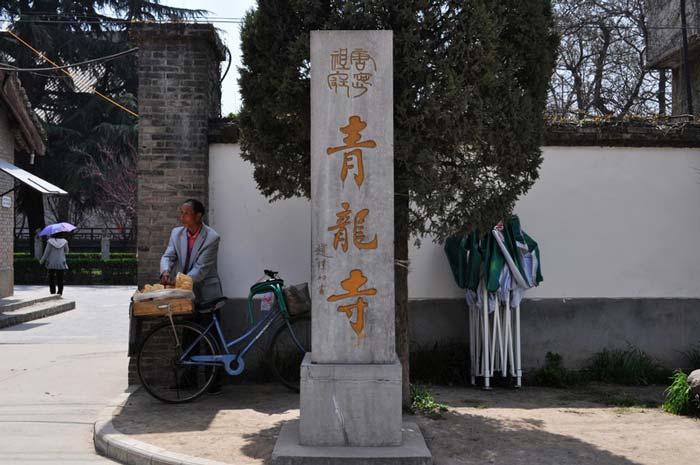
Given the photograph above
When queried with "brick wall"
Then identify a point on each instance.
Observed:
(7, 150)
(179, 91)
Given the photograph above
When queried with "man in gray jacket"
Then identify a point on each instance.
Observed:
(192, 250)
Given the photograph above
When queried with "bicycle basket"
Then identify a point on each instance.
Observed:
(297, 298)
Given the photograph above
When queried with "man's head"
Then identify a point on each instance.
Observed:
(191, 213)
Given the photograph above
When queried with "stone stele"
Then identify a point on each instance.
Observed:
(351, 380)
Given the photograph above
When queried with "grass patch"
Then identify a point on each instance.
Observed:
(422, 401)
(626, 401)
(631, 366)
(678, 400)
(554, 374)
(444, 364)
(474, 403)
(630, 409)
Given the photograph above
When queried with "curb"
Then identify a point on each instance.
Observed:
(29, 302)
(11, 320)
(111, 443)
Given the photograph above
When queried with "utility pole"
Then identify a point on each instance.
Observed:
(686, 68)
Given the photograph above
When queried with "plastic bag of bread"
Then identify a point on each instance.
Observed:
(159, 294)
(182, 281)
(153, 287)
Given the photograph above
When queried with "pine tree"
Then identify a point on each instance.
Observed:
(470, 80)
(78, 124)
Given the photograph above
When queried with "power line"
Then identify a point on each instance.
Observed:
(76, 79)
(92, 19)
(8, 67)
(123, 21)
(98, 16)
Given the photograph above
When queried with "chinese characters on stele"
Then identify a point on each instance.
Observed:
(351, 73)
(351, 76)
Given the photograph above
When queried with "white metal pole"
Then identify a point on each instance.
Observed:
(495, 335)
(509, 338)
(485, 313)
(472, 345)
(503, 343)
(518, 366)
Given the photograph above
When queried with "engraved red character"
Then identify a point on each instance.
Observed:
(352, 159)
(352, 285)
(340, 229)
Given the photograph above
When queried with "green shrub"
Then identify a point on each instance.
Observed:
(693, 356)
(83, 268)
(630, 366)
(554, 374)
(422, 401)
(446, 364)
(678, 400)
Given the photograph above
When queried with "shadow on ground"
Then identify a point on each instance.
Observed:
(594, 395)
(517, 427)
(458, 438)
(142, 414)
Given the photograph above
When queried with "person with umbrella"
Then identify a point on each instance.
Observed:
(54, 257)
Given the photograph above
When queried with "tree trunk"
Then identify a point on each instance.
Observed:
(401, 236)
(662, 92)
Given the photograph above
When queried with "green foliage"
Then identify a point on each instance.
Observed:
(83, 268)
(678, 400)
(631, 366)
(78, 124)
(422, 401)
(470, 81)
(446, 364)
(693, 355)
(554, 374)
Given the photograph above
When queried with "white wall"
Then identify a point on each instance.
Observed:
(611, 222)
(255, 234)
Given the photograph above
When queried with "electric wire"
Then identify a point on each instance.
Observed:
(8, 67)
(75, 78)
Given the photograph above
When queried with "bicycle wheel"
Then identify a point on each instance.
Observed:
(287, 350)
(162, 373)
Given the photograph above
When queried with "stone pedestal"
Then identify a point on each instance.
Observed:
(350, 404)
(412, 450)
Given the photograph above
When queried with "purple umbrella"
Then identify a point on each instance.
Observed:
(52, 229)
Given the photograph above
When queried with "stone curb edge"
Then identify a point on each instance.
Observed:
(112, 444)
(11, 320)
(29, 302)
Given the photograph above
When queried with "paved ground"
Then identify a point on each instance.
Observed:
(607, 425)
(58, 373)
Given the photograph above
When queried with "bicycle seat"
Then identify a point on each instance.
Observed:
(271, 274)
(209, 306)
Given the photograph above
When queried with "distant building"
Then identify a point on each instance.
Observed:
(665, 48)
(20, 130)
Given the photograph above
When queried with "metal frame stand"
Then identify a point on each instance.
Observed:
(494, 341)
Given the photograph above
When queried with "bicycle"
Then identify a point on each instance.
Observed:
(178, 360)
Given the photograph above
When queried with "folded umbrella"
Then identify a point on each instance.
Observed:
(55, 228)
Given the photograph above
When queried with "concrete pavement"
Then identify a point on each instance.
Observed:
(58, 373)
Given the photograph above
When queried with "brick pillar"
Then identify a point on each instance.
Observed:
(7, 214)
(179, 91)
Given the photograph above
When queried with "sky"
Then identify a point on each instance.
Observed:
(229, 32)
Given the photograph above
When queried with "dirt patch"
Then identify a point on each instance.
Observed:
(609, 425)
